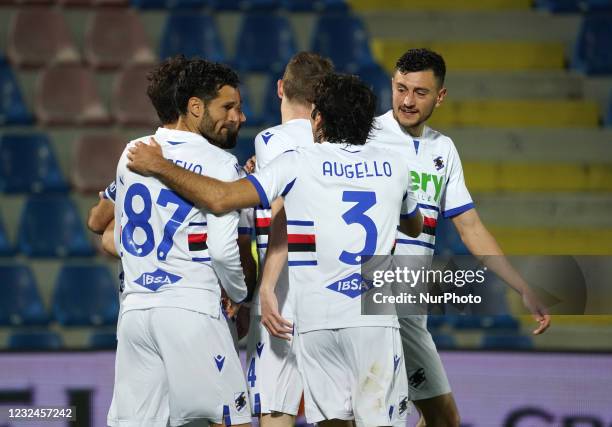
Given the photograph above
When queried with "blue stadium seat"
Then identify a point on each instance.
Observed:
(192, 34)
(20, 302)
(500, 322)
(467, 321)
(435, 321)
(244, 150)
(380, 82)
(444, 341)
(103, 341)
(558, 6)
(13, 110)
(593, 50)
(344, 39)
(507, 342)
(148, 4)
(36, 340)
(6, 247)
(315, 5)
(270, 111)
(244, 5)
(265, 43)
(28, 165)
(186, 4)
(599, 5)
(448, 241)
(85, 295)
(50, 226)
(252, 119)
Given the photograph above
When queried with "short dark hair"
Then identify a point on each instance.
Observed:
(422, 60)
(202, 79)
(161, 87)
(347, 106)
(301, 75)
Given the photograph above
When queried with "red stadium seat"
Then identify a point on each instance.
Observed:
(67, 95)
(39, 36)
(94, 161)
(131, 106)
(116, 37)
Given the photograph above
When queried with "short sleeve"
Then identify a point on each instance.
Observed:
(110, 192)
(277, 178)
(456, 198)
(269, 144)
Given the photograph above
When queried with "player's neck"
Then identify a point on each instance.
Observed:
(292, 111)
(184, 125)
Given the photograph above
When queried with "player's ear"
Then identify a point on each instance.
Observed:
(441, 95)
(279, 88)
(195, 106)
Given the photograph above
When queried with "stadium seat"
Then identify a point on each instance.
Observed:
(435, 321)
(103, 341)
(244, 5)
(593, 50)
(448, 241)
(252, 119)
(598, 5)
(28, 165)
(558, 6)
(315, 5)
(131, 105)
(148, 4)
(244, 150)
(265, 43)
(467, 321)
(344, 39)
(50, 226)
(6, 247)
(444, 341)
(270, 111)
(192, 34)
(13, 110)
(94, 161)
(20, 302)
(31, 341)
(127, 42)
(380, 82)
(507, 342)
(67, 95)
(39, 36)
(500, 322)
(85, 295)
(608, 114)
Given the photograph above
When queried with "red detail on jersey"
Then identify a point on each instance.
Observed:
(197, 238)
(429, 222)
(262, 222)
(301, 238)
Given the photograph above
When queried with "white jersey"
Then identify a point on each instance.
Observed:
(342, 203)
(269, 144)
(436, 175)
(173, 254)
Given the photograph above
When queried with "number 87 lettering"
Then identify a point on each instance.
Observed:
(141, 220)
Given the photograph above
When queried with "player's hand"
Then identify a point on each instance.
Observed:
(538, 310)
(249, 166)
(230, 307)
(145, 159)
(270, 316)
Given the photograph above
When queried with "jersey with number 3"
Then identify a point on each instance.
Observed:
(343, 204)
(174, 254)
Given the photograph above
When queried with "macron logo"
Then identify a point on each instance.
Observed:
(219, 360)
(157, 279)
(266, 137)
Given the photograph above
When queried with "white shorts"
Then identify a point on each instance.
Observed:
(354, 374)
(426, 375)
(177, 365)
(274, 382)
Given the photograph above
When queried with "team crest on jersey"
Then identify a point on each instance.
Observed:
(402, 408)
(438, 163)
(417, 378)
(266, 137)
(351, 286)
(155, 280)
(240, 401)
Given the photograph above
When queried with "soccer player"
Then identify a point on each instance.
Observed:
(176, 360)
(437, 179)
(343, 201)
(275, 397)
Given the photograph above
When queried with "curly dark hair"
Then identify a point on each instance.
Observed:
(161, 87)
(202, 79)
(347, 106)
(422, 60)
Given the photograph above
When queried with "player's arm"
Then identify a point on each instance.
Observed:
(411, 220)
(100, 215)
(108, 239)
(276, 259)
(209, 193)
